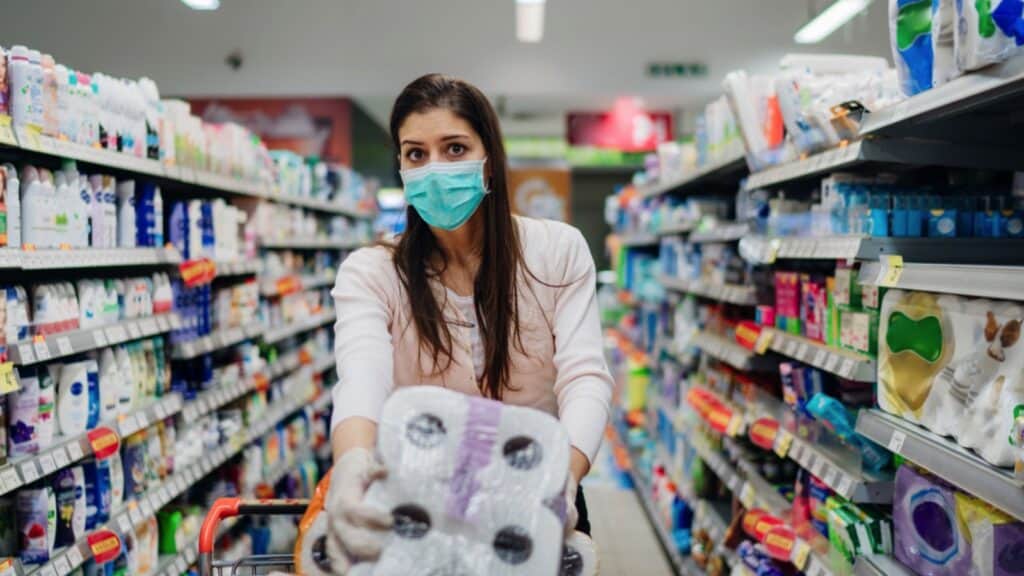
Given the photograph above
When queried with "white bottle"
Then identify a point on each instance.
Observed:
(126, 214)
(110, 385)
(73, 398)
(110, 210)
(158, 215)
(75, 310)
(195, 232)
(84, 211)
(49, 96)
(32, 226)
(43, 308)
(88, 314)
(13, 206)
(65, 119)
(116, 481)
(20, 70)
(36, 87)
(60, 206)
(126, 390)
(111, 306)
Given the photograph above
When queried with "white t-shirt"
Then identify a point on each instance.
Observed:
(468, 309)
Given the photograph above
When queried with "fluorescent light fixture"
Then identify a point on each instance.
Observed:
(830, 20)
(529, 20)
(202, 4)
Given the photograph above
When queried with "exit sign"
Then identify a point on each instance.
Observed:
(677, 69)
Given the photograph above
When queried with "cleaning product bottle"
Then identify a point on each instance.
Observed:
(20, 70)
(73, 399)
(13, 184)
(65, 130)
(126, 234)
(36, 87)
(49, 96)
(110, 384)
(61, 203)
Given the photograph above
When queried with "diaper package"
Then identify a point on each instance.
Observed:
(997, 540)
(954, 365)
(987, 32)
(475, 486)
(922, 37)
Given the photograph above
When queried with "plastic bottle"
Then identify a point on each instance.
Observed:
(83, 211)
(126, 214)
(154, 114)
(62, 200)
(144, 215)
(66, 127)
(110, 385)
(5, 86)
(49, 96)
(36, 87)
(158, 217)
(47, 426)
(97, 212)
(20, 70)
(13, 185)
(110, 211)
(126, 392)
(23, 414)
(195, 231)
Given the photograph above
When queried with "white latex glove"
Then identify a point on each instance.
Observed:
(355, 529)
(572, 516)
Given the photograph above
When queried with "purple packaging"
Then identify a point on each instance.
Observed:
(928, 536)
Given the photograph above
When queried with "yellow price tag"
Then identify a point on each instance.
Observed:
(892, 269)
(783, 442)
(735, 425)
(7, 131)
(764, 340)
(28, 137)
(747, 496)
(8, 379)
(801, 554)
(773, 250)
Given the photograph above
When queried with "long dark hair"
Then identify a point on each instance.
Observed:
(495, 287)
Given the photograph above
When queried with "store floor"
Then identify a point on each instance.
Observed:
(626, 542)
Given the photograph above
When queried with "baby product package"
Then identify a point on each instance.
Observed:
(475, 486)
(922, 37)
(954, 365)
(997, 540)
(987, 32)
(929, 538)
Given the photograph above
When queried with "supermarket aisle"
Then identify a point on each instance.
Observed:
(626, 543)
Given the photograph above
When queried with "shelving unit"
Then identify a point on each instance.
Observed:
(220, 339)
(963, 251)
(724, 232)
(675, 228)
(312, 323)
(731, 293)
(640, 240)
(880, 565)
(945, 459)
(53, 346)
(239, 268)
(729, 170)
(845, 363)
(310, 244)
(288, 285)
(984, 281)
(732, 354)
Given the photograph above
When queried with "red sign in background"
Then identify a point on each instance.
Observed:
(628, 127)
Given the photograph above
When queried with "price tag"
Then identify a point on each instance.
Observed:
(831, 476)
(801, 554)
(133, 331)
(783, 442)
(124, 523)
(832, 362)
(747, 496)
(42, 349)
(64, 346)
(791, 347)
(845, 485)
(25, 354)
(136, 515)
(896, 441)
(162, 323)
(142, 420)
(60, 457)
(75, 452)
(161, 411)
(113, 333)
(846, 370)
(75, 556)
(890, 271)
(146, 508)
(10, 479)
(99, 338)
(803, 352)
(47, 570)
(149, 326)
(62, 566)
(820, 357)
(29, 472)
(7, 132)
(8, 379)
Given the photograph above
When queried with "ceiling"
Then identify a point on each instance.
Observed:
(593, 50)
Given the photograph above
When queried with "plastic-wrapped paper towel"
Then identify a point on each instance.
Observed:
(579, 556)
(471, 483)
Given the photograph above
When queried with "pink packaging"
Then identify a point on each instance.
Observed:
(813, 307)
(787, 296)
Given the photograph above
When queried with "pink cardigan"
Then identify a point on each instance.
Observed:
(563, 371)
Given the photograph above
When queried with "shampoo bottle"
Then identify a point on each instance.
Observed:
(126, 390)
(49, 96)
(10, 174)
(20, 70)
(126, 235)
(73, 399)
(110, 385)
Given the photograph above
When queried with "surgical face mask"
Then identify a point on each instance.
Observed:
(446, 194)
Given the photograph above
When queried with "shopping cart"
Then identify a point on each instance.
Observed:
(225, 508)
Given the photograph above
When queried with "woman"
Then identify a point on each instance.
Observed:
(469, 298)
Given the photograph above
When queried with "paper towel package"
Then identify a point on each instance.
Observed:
(475, 486)
(954, 365)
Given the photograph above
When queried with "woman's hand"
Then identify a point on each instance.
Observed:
(572, 516)
(356, 529)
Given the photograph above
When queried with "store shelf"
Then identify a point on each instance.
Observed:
(675, 228)
(880, 566)
(297, 327)
(639, 240)
(238, 268)
(848, 364)
(292, 284)
(67, 451)
(945, 459)
(965, 251)
(221, 395)
(732, 293)
(733, 354)
(1003, 282)
(40, 144)
(976, 107)
(729, 170)
(87, 258)
(220, 339)
(724, 232)
(888, 152)
(311, 244)
(53, 346)
(133, 513)
(852, 484)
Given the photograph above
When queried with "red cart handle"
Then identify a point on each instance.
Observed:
(225, 508)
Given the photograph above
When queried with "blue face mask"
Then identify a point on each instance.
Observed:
(445, 194)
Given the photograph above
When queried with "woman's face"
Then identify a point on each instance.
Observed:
(437, 135)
